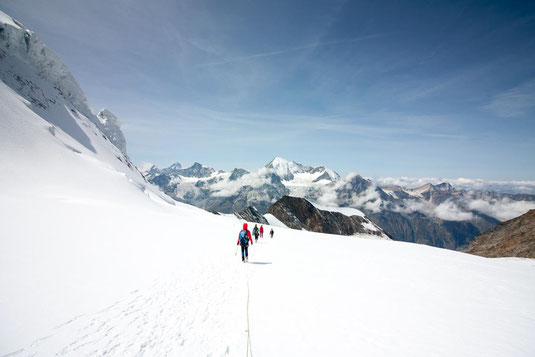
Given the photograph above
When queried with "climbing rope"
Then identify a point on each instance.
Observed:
(249, 347)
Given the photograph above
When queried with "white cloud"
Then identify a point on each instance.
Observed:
(503, 209)
(462, 183)
(368, 199)
(449, 211)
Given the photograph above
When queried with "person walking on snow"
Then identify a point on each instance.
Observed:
(261, 231)
(271, 232)
(255, 232)
(243, 240)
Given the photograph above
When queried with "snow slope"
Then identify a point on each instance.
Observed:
(94, 261)
(274, 221)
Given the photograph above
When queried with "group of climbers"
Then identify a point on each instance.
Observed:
(244, 238)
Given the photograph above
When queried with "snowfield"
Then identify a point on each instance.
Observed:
(94, 277)
(95, 261)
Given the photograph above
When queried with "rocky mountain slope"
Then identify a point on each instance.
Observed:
(513, 238)
(251, 214)
(437, 215)
(298, 213)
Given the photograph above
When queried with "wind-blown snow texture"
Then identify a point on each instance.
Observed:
(94, 261)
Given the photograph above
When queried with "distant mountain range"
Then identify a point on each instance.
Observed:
(437, 215)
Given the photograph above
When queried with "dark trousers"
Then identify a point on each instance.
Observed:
(244, 251)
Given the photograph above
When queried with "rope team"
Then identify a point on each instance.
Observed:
(244, 237)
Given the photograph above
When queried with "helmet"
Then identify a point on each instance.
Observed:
(245, 226)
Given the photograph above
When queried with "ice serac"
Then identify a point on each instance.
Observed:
(36, 73)
(18, 41)
(111, 127)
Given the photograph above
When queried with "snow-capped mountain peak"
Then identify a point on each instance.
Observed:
(286, 169)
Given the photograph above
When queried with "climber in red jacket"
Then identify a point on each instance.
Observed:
(243, 240)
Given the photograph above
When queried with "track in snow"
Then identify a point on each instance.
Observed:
(200, 314)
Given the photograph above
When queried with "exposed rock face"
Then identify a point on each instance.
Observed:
(416, 227)
(237, 173)
(513, 238)
(298, 213)
(251, 214)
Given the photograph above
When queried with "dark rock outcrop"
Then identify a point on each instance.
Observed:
(298, 213)
(237, 173)
(513, 238)
(251, 214)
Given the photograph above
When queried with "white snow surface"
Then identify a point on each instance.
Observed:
(346, 211)
(274, 221)
(91, 265)
(94, 261)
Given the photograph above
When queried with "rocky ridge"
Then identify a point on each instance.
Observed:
(513, 238)
(298, 213)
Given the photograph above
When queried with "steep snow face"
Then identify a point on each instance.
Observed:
(36, 73)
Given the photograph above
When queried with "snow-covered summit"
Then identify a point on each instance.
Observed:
(286, 169)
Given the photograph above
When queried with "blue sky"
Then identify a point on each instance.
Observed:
(385, 88)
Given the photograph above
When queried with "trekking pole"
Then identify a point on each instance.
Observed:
(236, 252)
